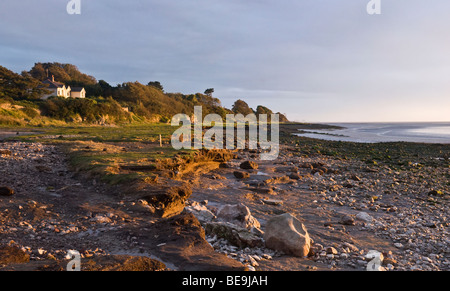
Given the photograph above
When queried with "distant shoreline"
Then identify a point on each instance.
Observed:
(415, 132)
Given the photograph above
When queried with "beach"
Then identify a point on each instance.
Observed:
(351, 198)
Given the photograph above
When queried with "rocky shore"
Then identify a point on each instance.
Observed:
(347, 214)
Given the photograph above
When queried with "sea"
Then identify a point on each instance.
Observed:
(418, 132)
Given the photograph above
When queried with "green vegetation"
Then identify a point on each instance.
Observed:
(126, 103)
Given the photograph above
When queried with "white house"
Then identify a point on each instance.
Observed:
(78, 92)
(60, 90)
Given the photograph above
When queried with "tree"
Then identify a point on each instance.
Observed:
(19, 86)
(263, 110)
(209, 92)
(157, 85)
(241, 107)
(63, 73)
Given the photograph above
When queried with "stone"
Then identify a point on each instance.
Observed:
(101, 219)
(287, 234)
(6, 191)
(169, 202)
(241, 175)
(272, 202)
(201, 212)
(347, 220)
(234, 234)
(238, 214)
(295, 176)
(350, 246)
(398, 245)
(363, 216)
(249, 165)
(332, 251)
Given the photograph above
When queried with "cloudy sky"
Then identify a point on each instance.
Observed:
(315, 60)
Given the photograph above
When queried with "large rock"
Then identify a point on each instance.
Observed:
(363, 216)
(249, 165)
(239, 215)
(169, 202)
(287, 234)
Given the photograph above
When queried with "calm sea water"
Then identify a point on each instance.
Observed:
(435, 132)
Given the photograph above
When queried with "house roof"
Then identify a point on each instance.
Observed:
(77, 89)
(53, 84)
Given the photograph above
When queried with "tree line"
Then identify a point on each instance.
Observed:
(121, 103)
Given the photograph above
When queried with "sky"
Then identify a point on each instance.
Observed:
(313, 60)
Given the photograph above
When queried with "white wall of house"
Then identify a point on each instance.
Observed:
(78, 94)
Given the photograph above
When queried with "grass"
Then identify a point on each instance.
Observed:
(125, 133)
(102, 151)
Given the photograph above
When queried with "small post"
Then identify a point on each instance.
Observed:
(160, 141)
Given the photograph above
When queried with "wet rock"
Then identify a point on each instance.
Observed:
(287, 234)
(6, 191)
(241, 175)
(239, 215)
(249, 165)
